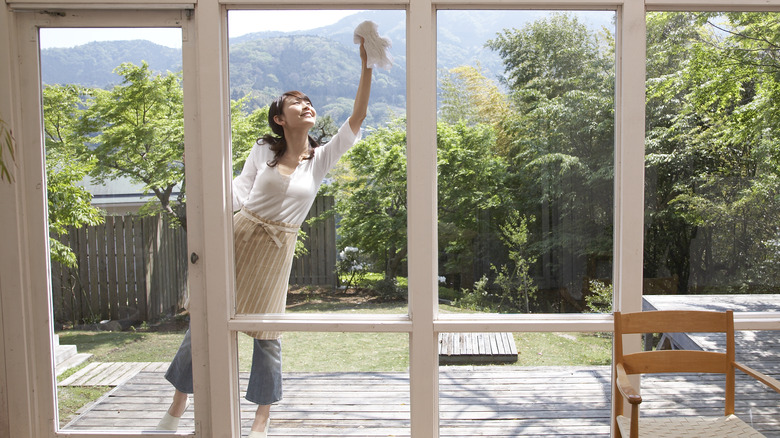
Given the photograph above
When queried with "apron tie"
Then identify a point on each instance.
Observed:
(274, 231)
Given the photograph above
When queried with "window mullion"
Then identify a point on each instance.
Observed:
(422, 232)
(214, 352)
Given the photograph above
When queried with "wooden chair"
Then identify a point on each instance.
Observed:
(678, 361)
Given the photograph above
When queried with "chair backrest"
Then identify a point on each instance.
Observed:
(678, 361)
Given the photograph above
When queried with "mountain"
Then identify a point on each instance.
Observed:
(93, 64)
(321, 62)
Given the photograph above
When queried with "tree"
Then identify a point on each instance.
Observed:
(245, 130)
(467, 95)
(371, 197)
(69, 204)
(136, 130)
(670, 165)
(516, 284)
(370, 191)
(473, 198)
(713, 149)
(559, 142)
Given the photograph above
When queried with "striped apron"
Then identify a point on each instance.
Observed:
(263, 254)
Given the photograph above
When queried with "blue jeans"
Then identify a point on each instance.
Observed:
(265, 377)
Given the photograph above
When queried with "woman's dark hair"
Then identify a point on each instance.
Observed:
(276, 141)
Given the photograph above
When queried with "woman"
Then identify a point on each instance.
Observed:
(274, 193)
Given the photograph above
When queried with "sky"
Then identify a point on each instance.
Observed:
(239, 23)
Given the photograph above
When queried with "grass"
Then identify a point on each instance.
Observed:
(125, 346)
(563, 349)
(72, 398)
(308, 351)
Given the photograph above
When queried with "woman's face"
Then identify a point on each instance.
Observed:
(297, 112)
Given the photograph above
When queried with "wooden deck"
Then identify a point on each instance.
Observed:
(759, 349)
(474, 402)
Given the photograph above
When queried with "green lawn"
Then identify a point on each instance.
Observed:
(307, 351)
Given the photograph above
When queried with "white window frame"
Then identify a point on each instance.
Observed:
(26, 356)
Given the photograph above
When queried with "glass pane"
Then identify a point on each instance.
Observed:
(115, 177)
(349, 382)
(712, 155)
(525, 160)
(351, 245)
(525, 384)
(336, 210)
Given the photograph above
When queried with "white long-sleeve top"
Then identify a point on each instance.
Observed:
(264, 191)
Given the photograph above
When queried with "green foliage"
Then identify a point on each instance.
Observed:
(389, 289)
(136, 130)
(515, 282)
(300, 246)
(600, 298)
(246, 128)
(371, 197)
(69, 205)
(712, 150)
(558, 140)
(351, 267)
(468, 96)
(478, 298)
(471, 182)
(550, 57)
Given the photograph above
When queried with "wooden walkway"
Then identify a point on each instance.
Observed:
(110, 373)
(474, 401)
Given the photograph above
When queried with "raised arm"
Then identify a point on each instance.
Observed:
(360, 108)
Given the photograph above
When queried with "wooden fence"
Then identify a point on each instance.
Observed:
(134, 267)
(129, 267)
(318, 266)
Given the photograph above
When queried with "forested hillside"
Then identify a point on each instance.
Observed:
(93, 64)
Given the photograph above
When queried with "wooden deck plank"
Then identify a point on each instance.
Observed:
(474, 402)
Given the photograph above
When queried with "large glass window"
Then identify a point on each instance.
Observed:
(350, 257)
(352, 247)
(525, 160)
(525, 174)
(711, 156)
(711, 227)
(113, 130)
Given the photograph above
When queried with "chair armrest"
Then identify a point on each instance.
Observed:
(761, 377)
(625, 387)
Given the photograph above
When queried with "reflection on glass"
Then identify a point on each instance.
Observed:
(525, 160)
(114, 143)
(711, 156)
(482, 388)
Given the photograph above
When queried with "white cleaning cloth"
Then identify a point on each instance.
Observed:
(377, 47)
